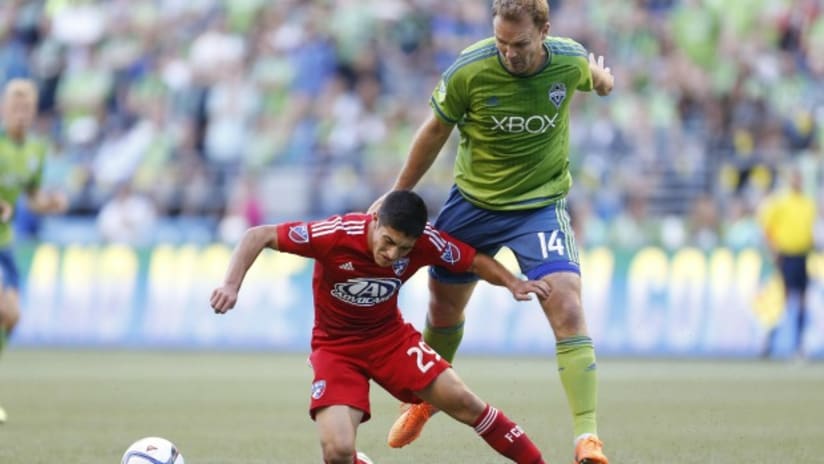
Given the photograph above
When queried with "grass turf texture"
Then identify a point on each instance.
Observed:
(88, 406)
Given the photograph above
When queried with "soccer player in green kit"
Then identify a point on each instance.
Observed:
(509, 96)
(21, 168)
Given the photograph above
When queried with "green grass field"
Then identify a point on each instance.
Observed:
(88, 406)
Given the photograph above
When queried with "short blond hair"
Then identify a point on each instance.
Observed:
(537, 10)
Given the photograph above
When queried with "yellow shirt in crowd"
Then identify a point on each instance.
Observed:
(788, 219)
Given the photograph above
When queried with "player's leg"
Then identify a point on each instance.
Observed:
(546, 250)
(449, 294)
(337, 428)
(769, 342)
(3, 309)
(339, 402)
(9, 302)
(410, 370)
(445, 320)
(443, 332)
(772, 333)
(448, 393)
(797, 283)
(575, 355)
(801, 323)
(9, 298)
(9, 313)
(3, 305)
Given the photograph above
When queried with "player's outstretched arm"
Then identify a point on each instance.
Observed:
(427, 144)
(247, 250)
(602, 79)
(495, 273)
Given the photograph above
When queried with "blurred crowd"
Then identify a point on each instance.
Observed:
(237, 112)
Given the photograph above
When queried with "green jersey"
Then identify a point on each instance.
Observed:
(21, 169)
(514, 147)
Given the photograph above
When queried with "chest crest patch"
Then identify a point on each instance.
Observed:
(557, 94)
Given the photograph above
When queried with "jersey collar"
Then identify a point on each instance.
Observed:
(547, 62)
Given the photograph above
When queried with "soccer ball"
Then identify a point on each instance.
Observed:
(364, 459)
(152, 450)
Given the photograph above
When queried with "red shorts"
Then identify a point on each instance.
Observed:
(399, 361)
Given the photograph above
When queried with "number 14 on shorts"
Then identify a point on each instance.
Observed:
(552, 245)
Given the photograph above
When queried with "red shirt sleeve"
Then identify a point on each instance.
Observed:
(445, 251)
(298, 238)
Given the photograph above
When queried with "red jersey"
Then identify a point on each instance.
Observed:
(355, 299)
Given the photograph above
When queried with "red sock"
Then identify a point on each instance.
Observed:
(506, 437)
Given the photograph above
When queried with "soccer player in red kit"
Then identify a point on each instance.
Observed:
(361, 261)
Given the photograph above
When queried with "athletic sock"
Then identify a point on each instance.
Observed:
(355, 459)
(577, 368)
(444, 340)
(506, 437)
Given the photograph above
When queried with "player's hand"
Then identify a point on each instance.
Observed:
(602, 79)
(223, 299)
(522, 290)
(6, 210)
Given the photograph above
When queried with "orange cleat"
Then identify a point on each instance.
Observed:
(409, 425)
(590, 451)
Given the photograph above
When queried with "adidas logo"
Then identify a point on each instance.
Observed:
(347, 266)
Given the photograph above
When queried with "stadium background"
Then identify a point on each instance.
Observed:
(177, 123)
(182, 123)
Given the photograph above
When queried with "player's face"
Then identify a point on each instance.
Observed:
(390, 245)
(19, 110)
(520, 44)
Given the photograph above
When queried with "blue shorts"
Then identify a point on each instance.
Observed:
(794, 271)
(9, 275)
(541, 238)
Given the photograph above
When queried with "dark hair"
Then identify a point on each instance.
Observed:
(537, 10)
(404, 211)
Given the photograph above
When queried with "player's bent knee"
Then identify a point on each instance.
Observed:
(447, 303)
(566, 316)
(445, 320)
(444, 313)
(572, 313)
(338, 451)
